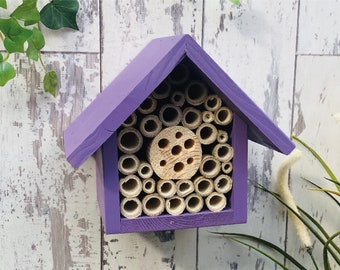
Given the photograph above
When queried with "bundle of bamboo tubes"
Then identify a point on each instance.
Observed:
(175, 153)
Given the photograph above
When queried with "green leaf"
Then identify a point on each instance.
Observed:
(3, 4)
(15, 35)
(50, 82)
(7, 72)
(35, 43)
(236, 2)
(60, 13)
(27, 12)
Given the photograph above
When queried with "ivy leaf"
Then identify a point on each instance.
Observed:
(35, 43)
(7, 72)
(27, 12)
(15, 35)
(60, 13)
(3, 4)
(50, 82)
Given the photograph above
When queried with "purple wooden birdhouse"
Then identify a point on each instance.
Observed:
(169, 136)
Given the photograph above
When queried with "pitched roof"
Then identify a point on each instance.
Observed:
(138, 80)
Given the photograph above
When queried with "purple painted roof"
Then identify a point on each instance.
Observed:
(138, 80)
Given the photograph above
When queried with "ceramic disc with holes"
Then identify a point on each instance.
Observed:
(175, 153)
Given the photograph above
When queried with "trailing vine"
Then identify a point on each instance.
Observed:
(20, 33)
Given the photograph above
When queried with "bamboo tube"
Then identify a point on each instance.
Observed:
(203, 186)
(131, 207)
(223, 116)
(145, 170)
(194, 203)
(222, 136)
(210, 166)
(196, 93)
(128, 164)
(130, 186)
(177, 98)
(206, 133)
(212, 103)
(175, 153)
(192, 118)
(166, 188)
(184, 187)
(153, 205)
(227, 167)
(130, 121)
(216, 202)
(148, 105)
(207, 116)
(149, 185)
(223, 152)
(150, 126)
(130, 140)
(179, 75)
(223, 183)
(162, 91)
(170, 115)
(175, 205)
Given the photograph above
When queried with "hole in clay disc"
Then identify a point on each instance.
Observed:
(178, 135)
(163, 143)
(189, 143)
(190, 160)
(178, 166)
(176, 150)
(162, 163)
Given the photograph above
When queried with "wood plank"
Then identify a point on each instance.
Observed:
(255, 44)
(127, 27)
(49, 217)
(316, 100)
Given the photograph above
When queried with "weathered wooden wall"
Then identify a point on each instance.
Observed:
(284, 54)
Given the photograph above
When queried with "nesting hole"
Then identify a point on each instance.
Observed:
(129, 140)
(162, 89)
(209, 165)
(223, 151)
(189, 143)
(222, 183)
(183, 187)
(145, 170)
(195, 91)
(163, 143)
(179, 166)
(174, 203)
(206, 132)
(190, 160)
(129, 120)
(203, 185)
(170, 114)
(148, 185)
(212, 102)
(223, 115)
(193, 202)
(191, 117)
(150, 125)
(147, 103)
(129, 163)
(166, 187)
(130, 206)
(162, 163)
(216, 200)
(130, 184)
(176, 150)
(153, 204)
(178, 135)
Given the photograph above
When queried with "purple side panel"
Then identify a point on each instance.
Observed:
(100, 182)
(238, 198)
(111, 185)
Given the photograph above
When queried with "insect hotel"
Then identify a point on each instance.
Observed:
(169, 136)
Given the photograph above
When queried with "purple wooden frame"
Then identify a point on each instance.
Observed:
(109, 198)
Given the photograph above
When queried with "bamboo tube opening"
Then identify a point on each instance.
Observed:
(175, 205)
(179, 75)
(203, 186)
(130, 186)
(130, 140)
(216, 202)
(227, 167)
(145, 170)
(153, 204)
(192, 118)
(128, 164)
(162, 91)
(213, 103)
(184, 187)
(223, 183)
(222, 136)
(196, 93)
(223, 152)
(206, 133)
(148, 105)
(131, 207)
(130, 121)
(194, 203)
(149, 185)
(207, 116)
(177, 98)
(210, 167)
(166, 188)
(150, 126)
(170, 115)
(223, 116)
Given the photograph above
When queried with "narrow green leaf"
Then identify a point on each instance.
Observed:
(236, 2)
(7, 72)
(27, 12)
(325, 190)
(60, 13)
(322, 162)
(325, 251)
(35, 43)
(15, 35)
(3, 4)
(50, 82)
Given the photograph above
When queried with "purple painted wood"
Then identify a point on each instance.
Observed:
(109, 110)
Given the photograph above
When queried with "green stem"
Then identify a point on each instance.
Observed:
(325, 251)
(310, 252)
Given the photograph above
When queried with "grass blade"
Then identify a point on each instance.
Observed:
(325, 251)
